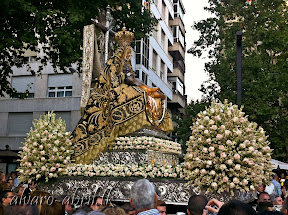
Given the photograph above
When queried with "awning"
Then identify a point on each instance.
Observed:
(279, 164)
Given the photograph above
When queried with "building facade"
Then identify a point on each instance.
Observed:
(158, 61)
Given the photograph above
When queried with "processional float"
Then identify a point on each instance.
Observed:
(122, 135)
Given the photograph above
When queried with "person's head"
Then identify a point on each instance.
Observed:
(261, 188)
(6, 197)
(161, 207)
(13, 175)
(143, 195)
(128, 209)
(31, 185)
(262, 206)
(264, 197)
(278, 200)
(275, 177)
(113, 211)
(2, 177)
(3, 186)
(10, 184)
(236, 207)
(96, 203)
(283, 175)
(196, 204)
(20, 190)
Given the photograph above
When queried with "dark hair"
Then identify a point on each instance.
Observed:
(286, 184)
(262, 206)
(4, 194)
(127, 207)
(262, 193)
(236, 207)
(94, 200)
(161, 203)
(196, 204)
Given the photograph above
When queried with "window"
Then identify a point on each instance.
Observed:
(24, 84)
(60, 91)
(144, 78)
(162, 70)
(177, 85)
(154, 62)
(19, 124)
(137, 73)
(178, 11)
(162, 39)
(180, 87)
(60, 85)
(142, 52)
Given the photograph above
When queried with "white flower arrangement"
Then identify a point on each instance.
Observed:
(47, 150)
(120, 170)
(226, 151)
(146, 143)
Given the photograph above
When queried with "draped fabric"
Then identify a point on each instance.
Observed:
(114, 108)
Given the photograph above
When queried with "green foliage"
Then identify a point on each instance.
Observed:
(264, 71)
(182, 129)
(57, 26)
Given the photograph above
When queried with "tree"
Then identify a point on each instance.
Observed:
(57, 26)
(265, 77)
(182, 129)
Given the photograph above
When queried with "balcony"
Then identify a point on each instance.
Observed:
(177, 21)
(177, 73)
(177, 51)
(178, 101)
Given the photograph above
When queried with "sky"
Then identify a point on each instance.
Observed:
(195, 74)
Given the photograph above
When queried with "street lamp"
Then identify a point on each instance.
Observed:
(239, 66)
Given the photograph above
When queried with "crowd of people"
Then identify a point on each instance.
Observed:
(17, 198)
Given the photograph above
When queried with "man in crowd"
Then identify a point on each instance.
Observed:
(278, 202)
(143, 198)
(15, 179)
(233, 207)
(6, 197)
(263, 197)
(10, 184)
(196, 205)
(277, 185)
(161, 207)
(95, 205)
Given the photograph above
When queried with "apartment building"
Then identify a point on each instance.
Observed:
(160, 58)
(158, 61)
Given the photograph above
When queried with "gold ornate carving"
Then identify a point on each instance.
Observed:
(114, 108)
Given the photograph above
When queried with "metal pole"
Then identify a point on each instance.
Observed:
(239, 67)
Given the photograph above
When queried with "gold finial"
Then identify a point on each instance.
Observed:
(124, 37)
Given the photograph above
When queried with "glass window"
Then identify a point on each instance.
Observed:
(60, 91)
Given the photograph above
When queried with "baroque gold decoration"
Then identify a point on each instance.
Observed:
(116, 107)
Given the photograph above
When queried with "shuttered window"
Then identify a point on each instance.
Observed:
(19, 124)
(23, 83)
(60, 85)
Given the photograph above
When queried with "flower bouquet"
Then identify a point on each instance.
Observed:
(226, 152)
(47, 150)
